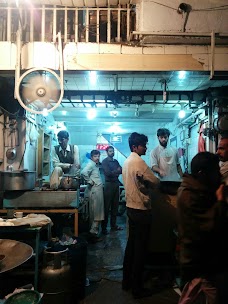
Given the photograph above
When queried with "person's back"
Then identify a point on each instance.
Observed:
(201, 225)
(196, 212)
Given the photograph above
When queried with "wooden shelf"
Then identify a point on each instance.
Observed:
(44, 152)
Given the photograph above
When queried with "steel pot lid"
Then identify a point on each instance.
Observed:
(8, 249)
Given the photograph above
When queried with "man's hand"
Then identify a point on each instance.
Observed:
(119, 170)
(220, 193)
(161, 173)
(75, 166)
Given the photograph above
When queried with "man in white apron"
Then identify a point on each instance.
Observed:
(92, 176)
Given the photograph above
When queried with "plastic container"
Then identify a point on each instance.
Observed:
(24, 297)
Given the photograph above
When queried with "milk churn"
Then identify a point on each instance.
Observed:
(55, 277)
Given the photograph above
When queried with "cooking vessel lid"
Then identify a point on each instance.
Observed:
(8, 249)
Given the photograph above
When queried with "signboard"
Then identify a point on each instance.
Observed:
(102, 146)
(116, 139)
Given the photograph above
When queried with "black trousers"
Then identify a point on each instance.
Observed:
(111, 200)
(136, 249)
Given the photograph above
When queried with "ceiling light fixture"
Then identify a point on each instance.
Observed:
(91, 114)
(45, 112)
(114, 113)
(115, 129)
(93, 77)
(182, 112)
(181, 74)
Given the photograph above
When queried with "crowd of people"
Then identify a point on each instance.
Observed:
(201, 208)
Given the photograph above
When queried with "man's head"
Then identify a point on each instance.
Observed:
(205, 168)
(163, 136)
(137, 143)
(95, 156)
(110, 151)
(222, 150)
(63, 138)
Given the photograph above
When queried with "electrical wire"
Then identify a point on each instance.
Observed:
(216, 8)
(9, 113)
(165, 5)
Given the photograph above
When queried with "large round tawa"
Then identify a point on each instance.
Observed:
(16, 253)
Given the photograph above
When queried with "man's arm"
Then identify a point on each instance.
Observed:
(86, 173)
(154, 163)
(107, 170)
(76, 166)
(179, 170)
(119, 168)
(158, 170)
(150, 177)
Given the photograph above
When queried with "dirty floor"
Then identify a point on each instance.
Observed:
(104, 274)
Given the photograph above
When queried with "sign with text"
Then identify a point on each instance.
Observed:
(101, 146)
(115, 138)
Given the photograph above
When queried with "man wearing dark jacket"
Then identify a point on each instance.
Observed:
(203, 231)
(112, 170)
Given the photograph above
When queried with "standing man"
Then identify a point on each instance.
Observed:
(92, 176)
(222, 153)
(138, 180)
(202, 223)
(65, 159)
(165, 159)
(112, 170)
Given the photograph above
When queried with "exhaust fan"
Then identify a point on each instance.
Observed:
(37, 90)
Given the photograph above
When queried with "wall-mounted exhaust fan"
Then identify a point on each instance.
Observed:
(39, 90)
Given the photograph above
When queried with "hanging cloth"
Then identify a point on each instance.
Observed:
(201, 140)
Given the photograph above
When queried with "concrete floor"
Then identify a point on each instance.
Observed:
(104, 271)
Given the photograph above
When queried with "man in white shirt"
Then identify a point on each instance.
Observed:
(92, 176)
(65, 159)
(164, 158)
(222, 152)
(138, 181)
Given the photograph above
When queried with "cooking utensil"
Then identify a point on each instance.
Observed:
(24, 297)
(17, 180)
(11, 153)
(8, 248)
(69, 182)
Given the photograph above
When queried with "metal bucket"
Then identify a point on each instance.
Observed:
(17, 180)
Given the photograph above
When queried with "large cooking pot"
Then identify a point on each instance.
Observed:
(69, 182)
(17, 180)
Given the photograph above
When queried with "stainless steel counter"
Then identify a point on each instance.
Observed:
(41, 199)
